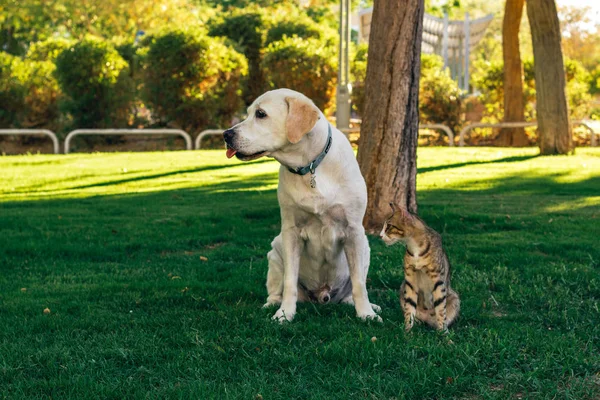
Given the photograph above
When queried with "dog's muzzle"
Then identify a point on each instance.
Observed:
(229, 138)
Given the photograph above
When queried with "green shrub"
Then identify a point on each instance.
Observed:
(578, 89)
(246, 28)
(29, 94)
(358, 70)
(302, 27)
(191, 80)
(490, 81)
(304, 65)
(594, 81)
(440, 98)
(42, 97)
(47, 50)
(12, 91)
(96, 80)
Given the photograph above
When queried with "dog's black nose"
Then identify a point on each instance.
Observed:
(228, 135)
(326, 298)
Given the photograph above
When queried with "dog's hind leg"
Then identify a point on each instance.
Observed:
(275, 274)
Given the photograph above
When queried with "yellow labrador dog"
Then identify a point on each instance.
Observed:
(322, 253)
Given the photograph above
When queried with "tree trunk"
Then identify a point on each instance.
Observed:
(387, 148)
(555, 135)
(514, 109)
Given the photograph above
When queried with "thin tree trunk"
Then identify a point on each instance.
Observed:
(514, 109)
(388, 143)
(555, 135)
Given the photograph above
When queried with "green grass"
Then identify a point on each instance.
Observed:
(114, 246)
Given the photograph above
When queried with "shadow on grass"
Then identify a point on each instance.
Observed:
(468, 163)
(163, 175)
(220, 212)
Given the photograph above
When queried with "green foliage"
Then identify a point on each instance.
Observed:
(47, 50)
(237, 4)
(96, 80)
(358, 70)
(594, 81)
(12, 92)
(246, 28)
(191, 80)
(29, 94)
(302, 26)
(42, 97)
(489, 79)
(303, 65)
(578, 88)
(440, 98)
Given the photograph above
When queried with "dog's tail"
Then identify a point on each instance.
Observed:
(452, 310)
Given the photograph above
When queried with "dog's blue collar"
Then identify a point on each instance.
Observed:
(314, 163)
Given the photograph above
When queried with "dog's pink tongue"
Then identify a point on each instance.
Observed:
(230, 152)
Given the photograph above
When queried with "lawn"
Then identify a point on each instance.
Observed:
(152, 267)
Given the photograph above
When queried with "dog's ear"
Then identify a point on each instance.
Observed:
(302, 117)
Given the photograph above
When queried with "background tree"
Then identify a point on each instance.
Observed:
(555, 135)
(388, 143)
(514, 108)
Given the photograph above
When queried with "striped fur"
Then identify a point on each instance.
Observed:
(425, 294)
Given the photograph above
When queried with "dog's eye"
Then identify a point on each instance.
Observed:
(260, 114)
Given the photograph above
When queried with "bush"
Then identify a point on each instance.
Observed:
(440, 98)
(594, 81)
(490, 80)
(96, 80)
(47, 50)
(12, 92)
(29, 94)
(358, 70)
(304, 65)
(578, 89)
(42, 97)
(191, 80)
(246, 28)
(302, 27)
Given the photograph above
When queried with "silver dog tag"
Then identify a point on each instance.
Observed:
(313, 181)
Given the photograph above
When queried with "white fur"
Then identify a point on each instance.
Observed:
(322, 239)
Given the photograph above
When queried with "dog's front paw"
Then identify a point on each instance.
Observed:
(275, 301)
(376, 308)
(370, 316)
(282, 315)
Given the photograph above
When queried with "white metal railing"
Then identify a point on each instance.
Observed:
(445, 128)
(463, 132)
(205, 133)
(46, 132)
(589, 129)
(177, 132)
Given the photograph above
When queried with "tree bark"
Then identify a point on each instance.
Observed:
(514, 109)
(387, 149)
(554, 129)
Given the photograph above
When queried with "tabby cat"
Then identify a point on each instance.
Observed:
(425, 292)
